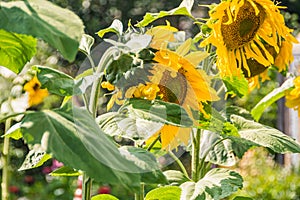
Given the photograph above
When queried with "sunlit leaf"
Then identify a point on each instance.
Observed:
(14, 132)
(164, 193)
(184, 8)
(217, 184)
(270, 98)
(60, 27)
(265, 136)
(236, 85)
(175, 177)
(104, 197)
(35, 158)
(15, 49)
(65, 171)
(115, 27)
(86, 44)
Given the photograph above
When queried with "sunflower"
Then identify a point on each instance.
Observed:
(35, 94)
(249, 36)
(293, 96)
(180, 82)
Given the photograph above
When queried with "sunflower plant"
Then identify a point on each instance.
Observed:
(163, 93)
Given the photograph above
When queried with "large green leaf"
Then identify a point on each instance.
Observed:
(270, 98)
(72, 136)
(15, 49)
(217, 184)
(147, 162)
(127, 125)
(55, 81)
(160, 111)
(104, 197)
(175, 177)
(265, 136)
(236, 85)
(164, 193)
(185, 8)
(60, 27)
(215, 149)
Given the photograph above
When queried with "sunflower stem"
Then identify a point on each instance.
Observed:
(206, 62)
(5, 163)
(180, 164)
(196, 155)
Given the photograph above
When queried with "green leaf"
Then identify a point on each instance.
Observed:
(270, 98)
(147, 162)
(265, 136)
(65, 171)
(236, 85)
(175, 177)
(235, 110)
(217, 184)
(72, 136)
(15, 49)
(184, 8)
(86, 44)
(242, 198)
(35, 158)
(216, 150)
(127, 125)
(14, 132)
(55, 81)
(160, 111)
(115, 27)
(60, 27)
(164, 193)
(104, 197)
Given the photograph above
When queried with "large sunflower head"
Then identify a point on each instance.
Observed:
(250, 36)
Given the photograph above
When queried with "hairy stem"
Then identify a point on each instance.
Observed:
(196, 155)
(180, 164)
(5, 163)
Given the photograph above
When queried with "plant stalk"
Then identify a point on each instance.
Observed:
(86, 187)
(196, 155)
(5, 163)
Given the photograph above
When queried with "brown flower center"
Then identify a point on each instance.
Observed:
(243, 29)
(173, 89)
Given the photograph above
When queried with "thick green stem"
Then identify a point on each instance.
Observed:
(5, 163)
(140, 195)
(92, 107)
(86, 187)
(196, 155)
(180, 164)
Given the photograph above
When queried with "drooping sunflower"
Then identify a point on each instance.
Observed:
(249, 36)
(293, 96)
(35, 94)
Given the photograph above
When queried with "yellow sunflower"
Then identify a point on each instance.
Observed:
(293, 96)
(180, 82)
(35, 94)
(250, 36)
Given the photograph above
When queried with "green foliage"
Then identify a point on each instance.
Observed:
(115, 27)
(104, 197)
(216, 184)
(15, 49)
(236, 85)
(265, 179)
(59, 27)
(65, 134)
(164, 193)
(269, 99)
(184, 8)
(175, 177)
(65, 171)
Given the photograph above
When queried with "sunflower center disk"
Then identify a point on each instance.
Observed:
(173, 89)
(243, 29)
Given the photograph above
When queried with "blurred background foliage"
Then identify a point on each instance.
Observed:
(264, 179)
